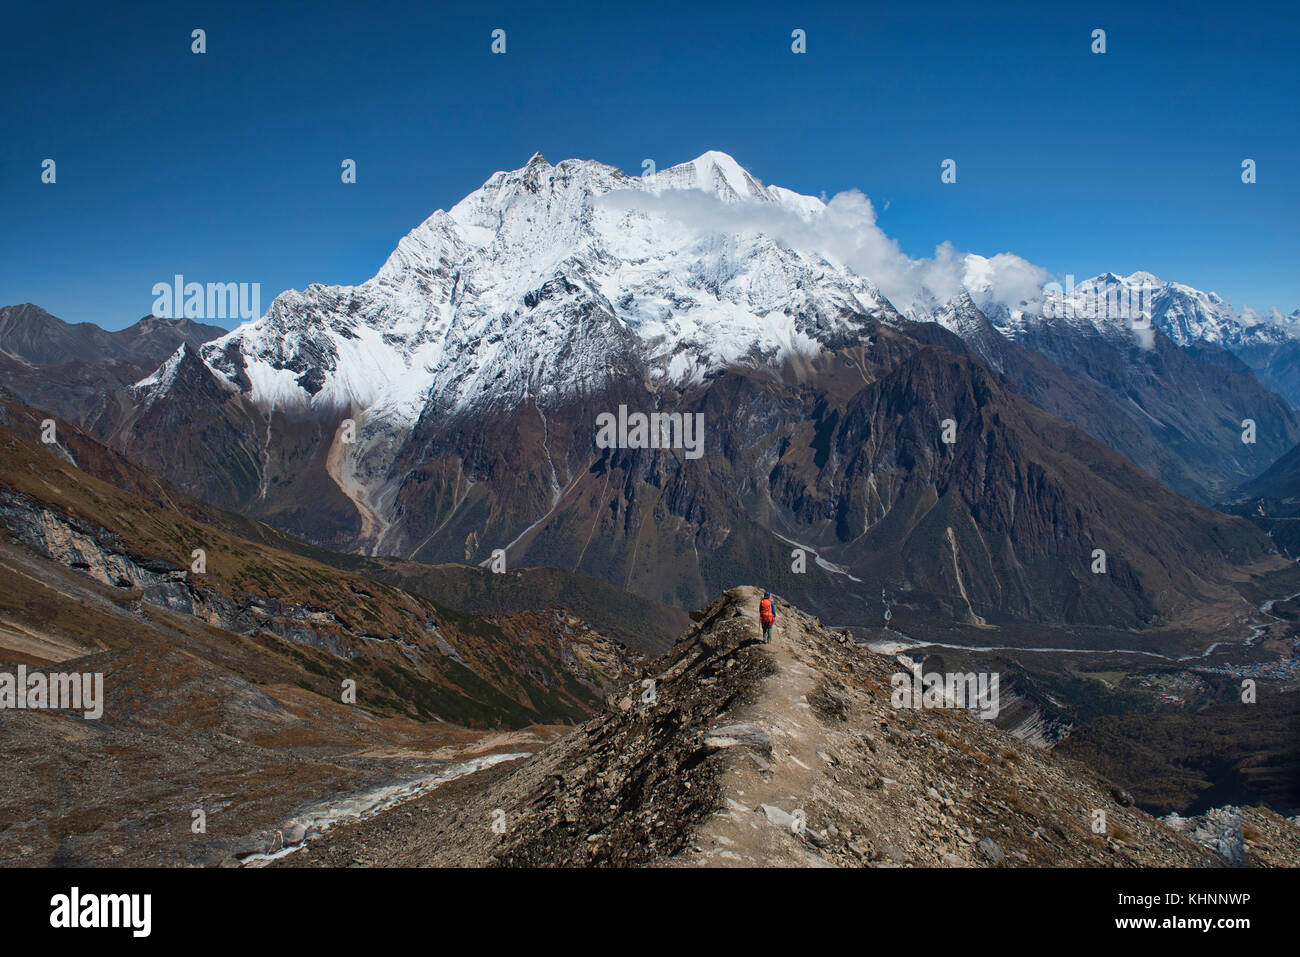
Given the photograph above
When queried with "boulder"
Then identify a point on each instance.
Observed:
(738, 735)
(989, 848)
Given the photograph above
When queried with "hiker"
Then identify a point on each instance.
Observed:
(767, 615)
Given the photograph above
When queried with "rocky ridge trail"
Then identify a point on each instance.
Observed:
(728, 752)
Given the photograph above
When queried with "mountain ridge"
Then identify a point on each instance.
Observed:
(741, 754)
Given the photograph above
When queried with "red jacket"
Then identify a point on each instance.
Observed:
(766, 613)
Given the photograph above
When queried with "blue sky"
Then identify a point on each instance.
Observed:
(225, 167)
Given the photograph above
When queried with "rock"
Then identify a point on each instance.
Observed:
(989, 848)
(952, 860)
(893, 853)
(896, 734)
(263, 842)
(295, 832)
(777, 816)
(732, 735)
(817, 838)
(830, 703)
(1122, 797)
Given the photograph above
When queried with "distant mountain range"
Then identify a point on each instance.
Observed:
(81, 371)
(955, 448)
(30, 334)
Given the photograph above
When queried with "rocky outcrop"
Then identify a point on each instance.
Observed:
(1244, 836)
(77, 543)
(80, 544)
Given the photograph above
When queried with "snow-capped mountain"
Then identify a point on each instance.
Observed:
(1186, 315)
(542, 279)
(476, 362)
(1128, 307)
(548, 277)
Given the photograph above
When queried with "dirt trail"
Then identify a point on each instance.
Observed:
(763, 798)
(38, 645)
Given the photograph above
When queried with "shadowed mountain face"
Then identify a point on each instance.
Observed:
(1174, 411)
(1272, 501)
(1277, 364)
(81, 371)
(31, 334)
(1280, 481)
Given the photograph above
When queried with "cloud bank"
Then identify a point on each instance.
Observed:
(844, 230)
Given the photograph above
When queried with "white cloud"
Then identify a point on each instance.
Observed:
(845, 230)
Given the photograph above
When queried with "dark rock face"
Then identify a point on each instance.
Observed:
(1272, 502)
(1003, 521)
(1173, 411)
(1276, 365)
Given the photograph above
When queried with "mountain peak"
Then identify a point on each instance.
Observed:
(724, 161)
(716, 172)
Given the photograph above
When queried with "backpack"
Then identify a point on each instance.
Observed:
(765, 612)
